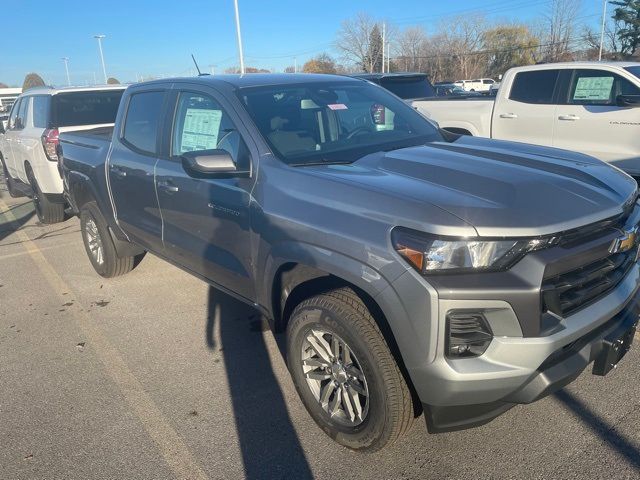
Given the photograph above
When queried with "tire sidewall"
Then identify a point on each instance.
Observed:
(371, 430)
(38, 206)
(89, 212)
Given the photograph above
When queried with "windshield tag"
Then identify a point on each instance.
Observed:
(337, 106)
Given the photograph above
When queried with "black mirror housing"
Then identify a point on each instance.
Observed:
(628, 101)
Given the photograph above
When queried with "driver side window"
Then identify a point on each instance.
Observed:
(201, 124)
(14, 114)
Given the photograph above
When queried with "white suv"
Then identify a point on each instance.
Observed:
(28, 147)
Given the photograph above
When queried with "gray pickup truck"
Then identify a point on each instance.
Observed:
(413, 270)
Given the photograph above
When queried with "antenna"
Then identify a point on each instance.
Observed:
(200, 74)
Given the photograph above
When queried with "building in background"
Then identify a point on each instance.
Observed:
(7, 98)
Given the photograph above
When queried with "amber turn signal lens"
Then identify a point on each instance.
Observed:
(415, 257)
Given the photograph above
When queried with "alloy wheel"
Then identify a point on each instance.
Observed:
(335, 377)
(94, 241)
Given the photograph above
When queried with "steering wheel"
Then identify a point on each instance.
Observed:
(358, 131)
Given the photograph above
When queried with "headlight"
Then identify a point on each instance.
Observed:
(430, 254)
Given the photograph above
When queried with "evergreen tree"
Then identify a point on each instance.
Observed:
(627, 14)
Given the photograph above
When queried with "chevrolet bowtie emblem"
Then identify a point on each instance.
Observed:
(625, 242)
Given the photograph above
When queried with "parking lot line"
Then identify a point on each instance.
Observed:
(170, 444)
(29, 251)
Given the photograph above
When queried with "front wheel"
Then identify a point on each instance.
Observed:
(99, 244)
(345, 373)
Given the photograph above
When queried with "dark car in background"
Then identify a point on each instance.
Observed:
(408, 86)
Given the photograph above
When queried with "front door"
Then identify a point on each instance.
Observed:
(525, 110)
(206, 219)
(131, 169)
(11, 147)
(589, 119)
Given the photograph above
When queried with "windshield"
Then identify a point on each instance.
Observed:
(409, 87)
(635, 70)
(334, 122)
(73, 109)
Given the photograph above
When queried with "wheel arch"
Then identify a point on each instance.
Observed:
(295, 281)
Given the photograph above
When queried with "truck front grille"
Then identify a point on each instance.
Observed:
(566, 293)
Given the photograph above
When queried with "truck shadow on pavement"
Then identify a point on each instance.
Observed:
(602, 429)
(268, 441)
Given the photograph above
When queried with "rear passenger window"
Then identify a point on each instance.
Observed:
(535, 87)
(40, 109)
(141, 123)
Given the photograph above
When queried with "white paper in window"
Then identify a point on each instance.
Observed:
(593, 88)
(201, 129)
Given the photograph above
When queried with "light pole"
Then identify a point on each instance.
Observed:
(604, 22)
(66, 68)
(104, 69)
(235, 2)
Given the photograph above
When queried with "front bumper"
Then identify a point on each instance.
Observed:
(558, 370)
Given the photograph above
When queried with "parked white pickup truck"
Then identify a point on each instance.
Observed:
(583, 106)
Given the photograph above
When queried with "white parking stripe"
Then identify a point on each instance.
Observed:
(29, 251)
(169, 443)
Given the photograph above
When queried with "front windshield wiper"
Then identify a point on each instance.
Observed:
(321, 162)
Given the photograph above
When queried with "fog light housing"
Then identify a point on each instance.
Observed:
(468, 334)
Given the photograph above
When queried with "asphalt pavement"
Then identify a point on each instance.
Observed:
(155, 375)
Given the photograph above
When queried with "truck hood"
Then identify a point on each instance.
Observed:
(500, 188)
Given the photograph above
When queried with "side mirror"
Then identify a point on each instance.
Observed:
(18, 124)
(208, 162)
(629, 101)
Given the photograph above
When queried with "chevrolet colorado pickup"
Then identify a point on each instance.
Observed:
(588, 107)
(413, 270)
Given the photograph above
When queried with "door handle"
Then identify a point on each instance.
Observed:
(168, 186)
(569, 118)
(508, 115)
(118, 172)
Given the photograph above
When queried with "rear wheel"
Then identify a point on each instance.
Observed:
(345, 373)
(99, 244)
(47, 210)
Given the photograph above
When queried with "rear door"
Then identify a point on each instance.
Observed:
(590, 121)
(206, 217)
(132, 166)
(525, 110)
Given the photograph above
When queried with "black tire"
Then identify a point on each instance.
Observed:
(13, 192)
(111, 264)
(47, 210)
(390, 404)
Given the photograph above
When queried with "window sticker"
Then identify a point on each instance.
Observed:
(337, 106)
(201, 129)
(593, 88)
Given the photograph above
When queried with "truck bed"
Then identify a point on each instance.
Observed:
(464, 115)
(84, 154)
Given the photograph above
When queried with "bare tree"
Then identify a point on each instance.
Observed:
(358, 41)
(463, 38)
(412, 49)
(560, 27)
